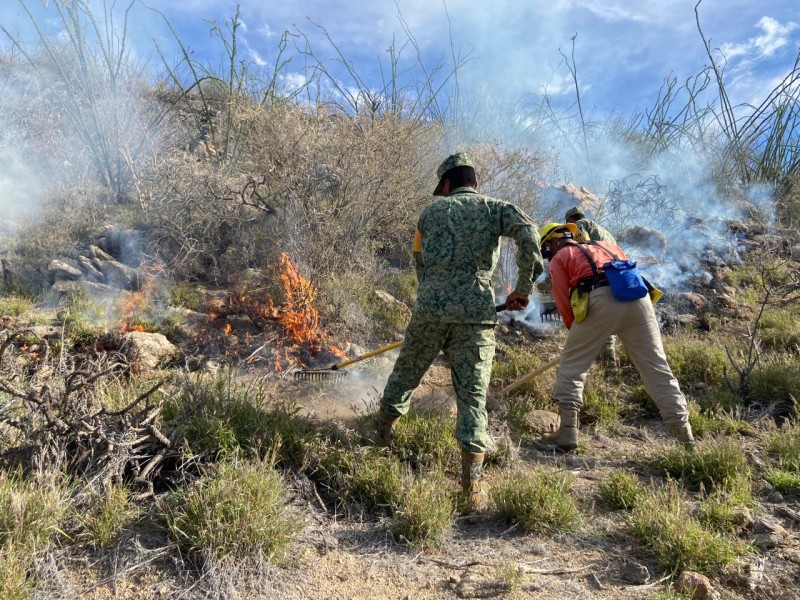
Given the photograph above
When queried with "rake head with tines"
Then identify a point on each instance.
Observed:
(333, 373)
(319, 375)
(549, 312)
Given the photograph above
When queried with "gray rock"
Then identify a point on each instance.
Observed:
(99, 253)
(633, 572)
(92, 272)
(96, 290)
(63, 270)
(120, 275)
(542, 421)
(388, 301)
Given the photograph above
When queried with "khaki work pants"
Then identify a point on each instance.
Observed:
(634, 323)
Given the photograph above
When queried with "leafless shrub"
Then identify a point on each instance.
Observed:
(56, 411)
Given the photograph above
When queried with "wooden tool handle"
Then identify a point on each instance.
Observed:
(525, 378)
(367, 355)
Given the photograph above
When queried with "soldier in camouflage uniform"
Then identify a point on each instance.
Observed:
(591, 229)
(595, 232)
(456, 248)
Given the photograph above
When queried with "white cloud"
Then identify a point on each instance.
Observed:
(774, 37)
(256, 57)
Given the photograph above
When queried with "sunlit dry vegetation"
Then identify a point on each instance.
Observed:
(205, 463)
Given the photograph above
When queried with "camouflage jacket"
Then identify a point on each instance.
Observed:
(595, 232)
(456, 248)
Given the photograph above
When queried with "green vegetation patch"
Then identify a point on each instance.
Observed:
(427, 441)
(663, 524)
(719, 464)
(237, 513)
(696, 361)
(368, 476)
(779, 329)
(105, 516)
(621, 490)
(775, 380)
(15, 305)
(786, 482)
(425, 515)
(221, 416)
(540, 501)
(31, 511)
(707, 422)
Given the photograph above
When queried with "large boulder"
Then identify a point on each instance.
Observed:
(64, 270)
(153, 350)
(120, 275)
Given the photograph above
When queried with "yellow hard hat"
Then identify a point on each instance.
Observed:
(555, 230)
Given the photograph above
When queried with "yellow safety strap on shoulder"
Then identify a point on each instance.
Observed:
(417, 241)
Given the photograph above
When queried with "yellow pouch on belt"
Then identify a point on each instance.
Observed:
(655, 294)
(653, 291)
(580, 304)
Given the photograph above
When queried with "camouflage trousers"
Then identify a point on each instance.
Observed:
(469, 348)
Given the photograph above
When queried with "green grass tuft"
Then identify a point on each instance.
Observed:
(105, 517)
(786, 482)
(15, 306)
(783, 448)
(662, 523)
(15, 584)
(425, 514)
(695, 360)
(31, 512)
(779, 329)
(540, 501)
(719, 464)
(707, 422)
(237, 513)
(428, 441)
(621, 490)
(367, 476)
(775, 381)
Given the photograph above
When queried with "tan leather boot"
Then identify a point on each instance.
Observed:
(566, 437)
(609, 358)
(683, 433)
(384, 425)
(476, 492)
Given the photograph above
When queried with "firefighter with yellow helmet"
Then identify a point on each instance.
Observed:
(633, 322)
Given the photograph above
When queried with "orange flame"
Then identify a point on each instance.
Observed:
(299, 317)
(228, 329)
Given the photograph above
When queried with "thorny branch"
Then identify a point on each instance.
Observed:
(59, 416)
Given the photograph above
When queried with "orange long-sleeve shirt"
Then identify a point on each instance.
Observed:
(569, 266)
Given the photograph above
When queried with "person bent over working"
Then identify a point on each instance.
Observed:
(593, 231)
(634, 323)
(456, 248)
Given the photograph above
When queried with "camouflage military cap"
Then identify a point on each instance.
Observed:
(576, 212)
(459, 159)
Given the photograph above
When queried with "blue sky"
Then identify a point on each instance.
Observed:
(622, 53)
